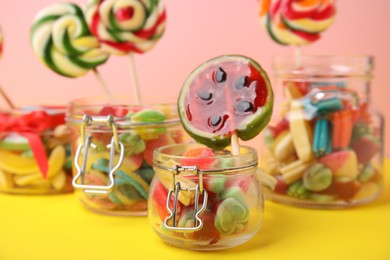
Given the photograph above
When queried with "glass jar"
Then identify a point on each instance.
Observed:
(112, 146)
(211, 208)
(35, 151)
(326, 145)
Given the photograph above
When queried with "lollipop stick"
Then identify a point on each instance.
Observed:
(104, 85)
(134, 80)
(298, 55)
(6, 98)
(235, 145)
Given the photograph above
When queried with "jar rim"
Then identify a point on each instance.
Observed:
(77, 107)
(165, 156)
(323, 65)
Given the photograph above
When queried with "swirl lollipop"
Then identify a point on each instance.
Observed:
(61, 39)
(297, 22)
(126, 27)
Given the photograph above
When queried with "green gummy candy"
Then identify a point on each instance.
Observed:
(145, 172)
(28, 154)
(360, 129)
(233, 192)
(123, 179)
(148, 116)
(317, 177)
(366, 173)
(101, 165)
(114, 198)
(131, 192)
(298, 190)
(232, 216)
(132, 143)
(216, 185)
(133, 183)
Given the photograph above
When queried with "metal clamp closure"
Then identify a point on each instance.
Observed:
(85, 144)
(198, 223)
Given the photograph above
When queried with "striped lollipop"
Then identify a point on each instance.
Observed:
(297, 22)
(61, 39)
(126, 26)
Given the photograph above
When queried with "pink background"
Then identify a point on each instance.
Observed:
(196, 31)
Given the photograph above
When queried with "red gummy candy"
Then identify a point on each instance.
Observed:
(202, 157)
(281, 186)
(243, 183)
(280, 127)
(160, 196)
(365, 148)
(151, 145)
(117, 111)
(208, 232)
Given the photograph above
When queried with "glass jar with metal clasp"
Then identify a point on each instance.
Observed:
(325, 147)
(205, 208)
(113, 147)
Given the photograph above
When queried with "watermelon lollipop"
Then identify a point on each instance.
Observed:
(297, 22)
(226, 96)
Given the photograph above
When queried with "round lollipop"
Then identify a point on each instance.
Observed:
(297, 22)
(126, 27)
(61, 39)
(225, 98)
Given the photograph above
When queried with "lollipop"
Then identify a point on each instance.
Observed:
(124, 26)
(61, 39)
(297, 22)
(127, 27)
(225, 98)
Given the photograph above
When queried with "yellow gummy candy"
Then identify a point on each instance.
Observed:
(5, 180)
(16, 164)
(59, 180)
(56, 160)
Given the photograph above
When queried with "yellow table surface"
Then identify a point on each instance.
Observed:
(58, 227)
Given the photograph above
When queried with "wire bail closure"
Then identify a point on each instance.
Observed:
(198, 223)
(86, 143)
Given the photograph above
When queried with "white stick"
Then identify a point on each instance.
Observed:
(235, 145)
(104, 85)
(6, 98)
(134, 80)
(298, 55)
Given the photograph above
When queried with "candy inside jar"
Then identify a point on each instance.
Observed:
(202, 199)
(325, 149)
(35, 155)
(113, 147)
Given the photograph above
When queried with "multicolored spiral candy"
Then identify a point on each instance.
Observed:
(1, 42)
(297, 22)
(61, 39)
(125, 26)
